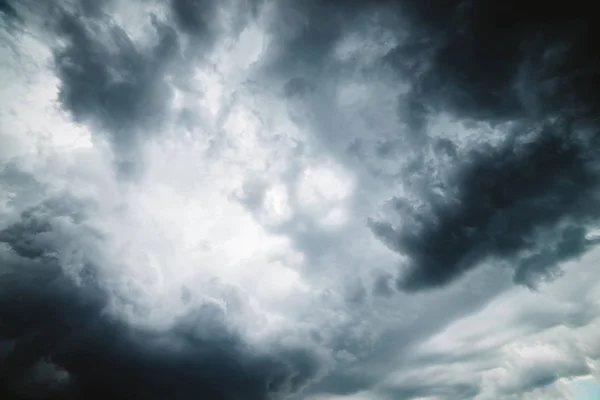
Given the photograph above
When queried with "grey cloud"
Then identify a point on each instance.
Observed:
(530, 204)
(525, 63)
(7, 9)
(307, 32)
(466, 56)
(201, 21)
(383, 285)
(458, 391)
(393, 351)
(499, 205)
(542, 338)
(573, 242)
(113, 83)
(21, 188)
(195, 16)
(545, 375)
(109, 81)
(46, 317)
(527, 202)
(296, 87)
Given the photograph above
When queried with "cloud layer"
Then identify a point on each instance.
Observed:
(307, 200)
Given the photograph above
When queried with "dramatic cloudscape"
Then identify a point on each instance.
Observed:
(299, 199)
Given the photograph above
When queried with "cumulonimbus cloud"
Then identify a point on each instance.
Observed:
(248, 199)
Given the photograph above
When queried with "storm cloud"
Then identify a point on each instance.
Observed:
(526, 65)
(47, 318)
(537, 198)
(306, 200)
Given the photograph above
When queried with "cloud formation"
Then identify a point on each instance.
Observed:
(529, 69)
(530, 204)
(297, 199)
(46, 317)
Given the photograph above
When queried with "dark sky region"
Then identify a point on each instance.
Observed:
(304, 200)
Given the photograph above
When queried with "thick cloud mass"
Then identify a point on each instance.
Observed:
(520, 62)
(311, 200)
(114, 82)
(468, 57)
(48, 318)
(527, 203)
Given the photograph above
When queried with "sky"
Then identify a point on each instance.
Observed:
(299, 200)
(587, 390)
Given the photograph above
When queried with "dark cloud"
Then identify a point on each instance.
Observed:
(542, 375)
(459, 56)
(306, 34)
(392, 350)
(196, 17)
(123, 87)
(296, 87)
(528, 204)
(200, 18)
(118, 86)
(56, 331)
(108, 80)
(383, 285)
(202, 22)
(529, 201)
(7, 9)
(467, 56)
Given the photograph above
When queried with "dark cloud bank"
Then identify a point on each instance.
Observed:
(531, 200)
(56, 341)
(528, 201)
(527, 63)
(526, 67)
(47, 320)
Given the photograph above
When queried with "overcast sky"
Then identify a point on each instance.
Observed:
(299, 199)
